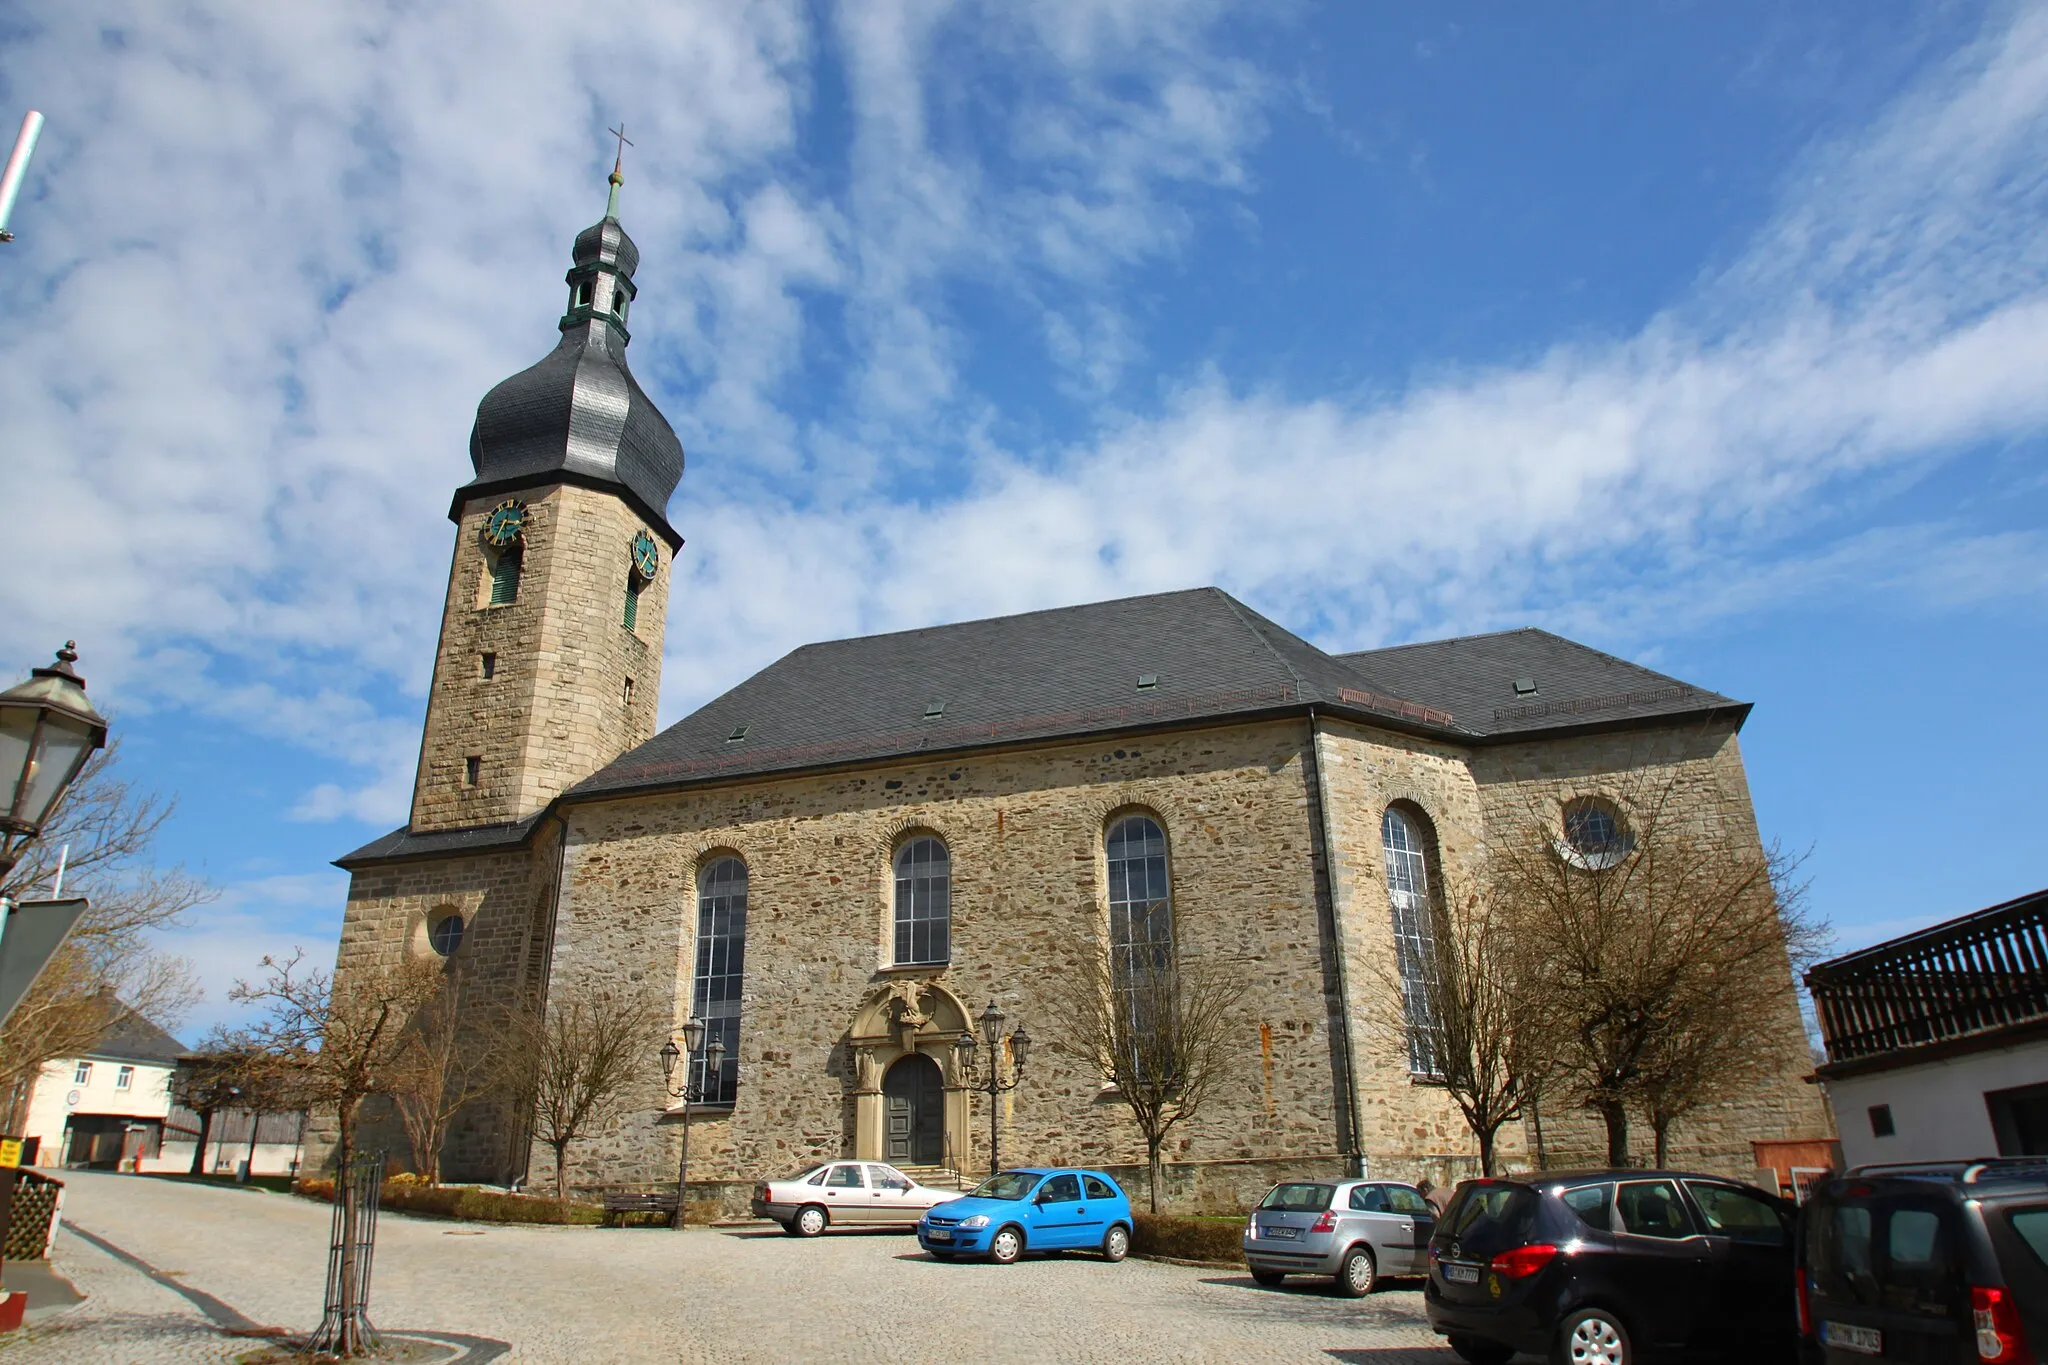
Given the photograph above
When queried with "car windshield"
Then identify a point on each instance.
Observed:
(1299, 1198)
(1008, 1185)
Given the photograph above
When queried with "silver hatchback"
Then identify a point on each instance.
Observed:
(1353, 1231)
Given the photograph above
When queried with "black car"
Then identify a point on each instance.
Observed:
(1607, 1267)
(1929, 1264)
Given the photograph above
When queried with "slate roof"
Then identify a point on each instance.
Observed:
(132, 1038)
(403, 843)
(1076, 671)
(1474, 678)
(578, 415)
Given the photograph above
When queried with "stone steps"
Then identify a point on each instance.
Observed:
(937, 1177)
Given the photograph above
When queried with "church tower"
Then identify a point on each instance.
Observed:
(550, 656)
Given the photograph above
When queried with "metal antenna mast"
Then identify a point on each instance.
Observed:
(17, 168)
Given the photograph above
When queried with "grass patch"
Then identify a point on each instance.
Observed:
(1209, 1237)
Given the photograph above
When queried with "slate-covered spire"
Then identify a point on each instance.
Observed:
(579, 416)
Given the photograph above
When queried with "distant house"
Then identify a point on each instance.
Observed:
(105, 1108)
(1937, 1042)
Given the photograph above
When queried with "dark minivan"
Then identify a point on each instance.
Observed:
(1608, 1267)
(1930, 1264)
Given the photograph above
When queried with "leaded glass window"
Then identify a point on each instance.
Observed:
(721, 971)
(1141, 934)
(1408, 891)
(924, 902)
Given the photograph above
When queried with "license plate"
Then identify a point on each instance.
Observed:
(1282, 1232)
(1866, 1341)
(938, 1234)
(1461, 1274)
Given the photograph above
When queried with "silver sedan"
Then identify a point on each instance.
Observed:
(846, 1193)
(1353, 1231)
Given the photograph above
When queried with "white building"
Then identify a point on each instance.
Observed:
(106, 1107)
(1937, 1042)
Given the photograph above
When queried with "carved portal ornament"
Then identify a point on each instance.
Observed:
(901, 1017)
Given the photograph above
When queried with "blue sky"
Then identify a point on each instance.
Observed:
(1712, 335)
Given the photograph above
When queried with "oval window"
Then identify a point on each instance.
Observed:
(444, 935)
(1594, 835)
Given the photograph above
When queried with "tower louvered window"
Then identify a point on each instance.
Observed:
(505, 577)
(721, 972)
(631, 618)
(1408, 891)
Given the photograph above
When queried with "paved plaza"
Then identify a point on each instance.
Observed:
(244, 1260)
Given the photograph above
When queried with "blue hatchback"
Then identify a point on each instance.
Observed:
(1031, 1210)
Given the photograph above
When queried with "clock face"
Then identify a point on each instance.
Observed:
(646, 558)
(505, 523)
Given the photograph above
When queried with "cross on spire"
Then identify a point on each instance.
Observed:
(617, 177)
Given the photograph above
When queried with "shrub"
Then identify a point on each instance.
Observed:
(1188, 1239)
(455, 1201)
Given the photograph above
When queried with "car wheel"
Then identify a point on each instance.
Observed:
(1480, 1352)
(1270, 1278)
(1357, 1275)
(1006, 1246)
(810, 1221)
(1592, 1336)
(1116, 1243)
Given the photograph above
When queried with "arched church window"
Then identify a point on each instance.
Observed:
(1407, 842)
(721, 971)
(924, 902)
(1141, 936)
(505, 576)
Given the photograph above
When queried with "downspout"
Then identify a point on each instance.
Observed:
(1354, 1156)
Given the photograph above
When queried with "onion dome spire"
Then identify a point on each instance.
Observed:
(579, 416)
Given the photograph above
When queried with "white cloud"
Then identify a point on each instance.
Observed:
(272, 256)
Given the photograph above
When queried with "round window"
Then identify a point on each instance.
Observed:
(445, 935)
(1594, 835)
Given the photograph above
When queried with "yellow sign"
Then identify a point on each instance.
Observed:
(10, 1152)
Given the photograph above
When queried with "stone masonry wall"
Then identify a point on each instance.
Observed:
(504, 900)
(1700, 767)
(1025, 831)
(556, 708)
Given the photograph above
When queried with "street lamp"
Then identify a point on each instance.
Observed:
(48, 730)
(684, 1057)
(992, 1084)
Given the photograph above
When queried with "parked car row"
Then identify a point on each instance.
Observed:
(1922, 1264)
(1010, 1213)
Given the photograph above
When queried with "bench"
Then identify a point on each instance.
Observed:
(619, 1203)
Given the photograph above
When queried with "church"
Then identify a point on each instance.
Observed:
(839, 863)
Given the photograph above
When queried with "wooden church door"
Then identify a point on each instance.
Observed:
(914, 1111)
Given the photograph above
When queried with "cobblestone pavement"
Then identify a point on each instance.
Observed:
(644, 1294)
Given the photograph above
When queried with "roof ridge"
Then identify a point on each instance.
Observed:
(1456, 640)
(1239, 610)
(1010, 616)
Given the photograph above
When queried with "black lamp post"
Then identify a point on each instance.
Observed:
(47, 731)
(689, 1093)
(991, 1083)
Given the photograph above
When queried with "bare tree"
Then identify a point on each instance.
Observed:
(445, 1063)
(1164, 1034)
(588, 1048)
(1464, 1010)
(336, 1044)
(104, 832)
(1642, 926)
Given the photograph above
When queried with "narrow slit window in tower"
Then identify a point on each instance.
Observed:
(490, 664)
(583, 291)
(631, 619)
(473, 769)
